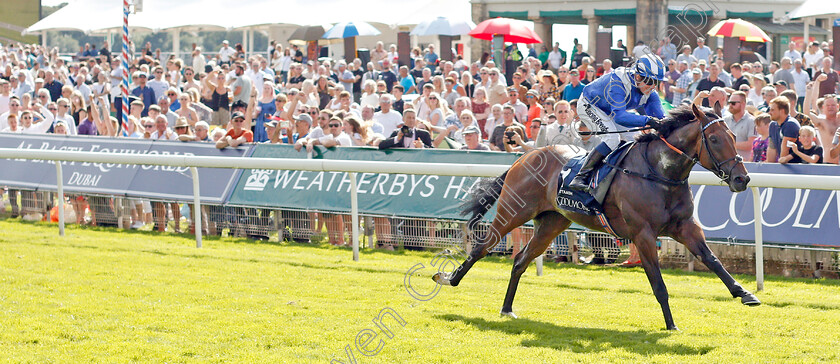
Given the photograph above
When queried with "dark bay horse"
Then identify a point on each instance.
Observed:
(650, 198)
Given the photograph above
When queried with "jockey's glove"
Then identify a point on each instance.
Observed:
(654, 123)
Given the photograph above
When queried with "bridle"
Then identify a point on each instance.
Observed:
(718, 170)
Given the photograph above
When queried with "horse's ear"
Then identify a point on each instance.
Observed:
(717, 107)
(697, 113)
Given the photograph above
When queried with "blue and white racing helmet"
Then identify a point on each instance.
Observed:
(650, 66)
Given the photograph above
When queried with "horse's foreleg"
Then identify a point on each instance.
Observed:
(691, 235)
(547, 226)
(646, 245)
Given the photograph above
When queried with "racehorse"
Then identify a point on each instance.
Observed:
(649, 197)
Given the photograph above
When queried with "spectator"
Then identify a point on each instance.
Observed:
(519, 108)
(640, 50)
(144, 93)
(238, 134)
(804, 150)
(762, 139)
(783, 129)
(702, 52)
(162, 130)
(556, 58)
(574, 88)
(831, 81)
(558, 129)
(472, 139)
(813, 57)
(792, 53)
(668, 52)
(388, 75)
(828, 119)
(158, 84)
(800, 81)
(686, 56)
(497, 138)
(742, 124)
(408, 136)
(784, 74)
(708, 83)
(495, 89)
(673, 75)
(768, 93)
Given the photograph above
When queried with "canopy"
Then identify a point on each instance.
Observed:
(815, 8)
(94, 16)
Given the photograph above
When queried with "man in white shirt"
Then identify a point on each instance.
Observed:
(800, 83)
(226, 53)
(334, 136)
(158, 84)
(702, 52)
(162, 130)
(257, 76)
(5, 95)
(792, 53)
(813, 56)
(23, 86)
(555, 58)
(198, 60)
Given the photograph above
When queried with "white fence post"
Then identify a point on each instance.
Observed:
(540, 264)
(196, 213)
(60, 184)
(354, 215)
(759, 240)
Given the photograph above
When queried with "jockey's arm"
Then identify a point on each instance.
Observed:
(653, 107)
(619, 109)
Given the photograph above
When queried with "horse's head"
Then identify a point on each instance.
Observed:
(717, 151)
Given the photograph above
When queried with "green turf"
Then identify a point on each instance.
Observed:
(109, 296)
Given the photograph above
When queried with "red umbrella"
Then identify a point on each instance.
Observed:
(515, 31)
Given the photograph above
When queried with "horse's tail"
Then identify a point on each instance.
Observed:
(482, 199)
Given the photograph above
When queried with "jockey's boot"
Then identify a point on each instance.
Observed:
(581, 181)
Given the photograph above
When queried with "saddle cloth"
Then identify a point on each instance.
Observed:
(582, 202)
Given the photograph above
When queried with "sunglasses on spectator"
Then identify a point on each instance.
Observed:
(238, 120)
(313, 113)
(733, 102)
(335, 125)
(149, 125)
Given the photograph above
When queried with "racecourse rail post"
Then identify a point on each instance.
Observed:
(540, 265)
(759, 240)
(354, 215)
(196, 206)
(60, 185)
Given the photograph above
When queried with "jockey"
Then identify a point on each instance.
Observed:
(604, 104)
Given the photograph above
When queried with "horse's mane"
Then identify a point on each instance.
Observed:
(677, 118)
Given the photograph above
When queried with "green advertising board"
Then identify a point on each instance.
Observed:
(382, 194)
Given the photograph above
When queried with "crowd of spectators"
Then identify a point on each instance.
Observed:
(784, 112)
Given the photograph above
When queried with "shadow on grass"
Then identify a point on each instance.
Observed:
(581, 339)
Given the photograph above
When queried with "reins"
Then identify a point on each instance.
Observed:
(657, 177)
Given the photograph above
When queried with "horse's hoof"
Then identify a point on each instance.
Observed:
(508, 314)
(750, 299)
(673, 328)
(441, 280)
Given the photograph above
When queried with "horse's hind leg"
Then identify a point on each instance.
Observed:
(509, 215)
(690, 235)
(547, 226)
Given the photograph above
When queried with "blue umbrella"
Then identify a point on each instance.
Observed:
(350, 29)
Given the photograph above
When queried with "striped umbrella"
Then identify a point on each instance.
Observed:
(739, 28)
(350, 29)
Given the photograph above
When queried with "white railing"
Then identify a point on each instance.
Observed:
(757, 180)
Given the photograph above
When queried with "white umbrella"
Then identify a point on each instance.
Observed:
(443, 26)
(350, 29)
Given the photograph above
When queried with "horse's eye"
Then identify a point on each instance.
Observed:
(713, 139)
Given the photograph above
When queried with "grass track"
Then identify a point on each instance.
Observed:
(114, 296)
